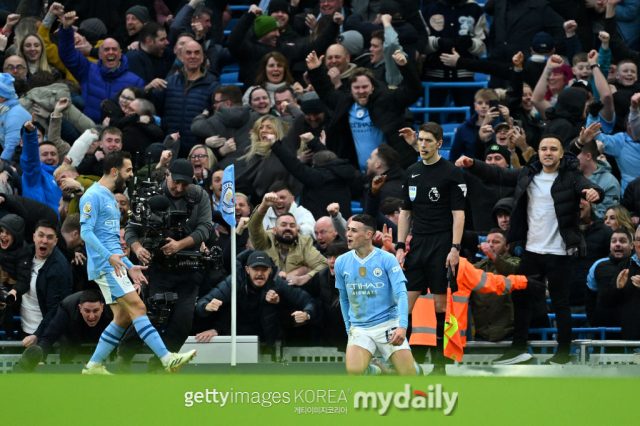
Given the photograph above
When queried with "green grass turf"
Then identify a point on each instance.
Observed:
(138, 399)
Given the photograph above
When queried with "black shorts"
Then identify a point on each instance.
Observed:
(425, 265)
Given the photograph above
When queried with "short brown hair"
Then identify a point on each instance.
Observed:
(486, 94)
(231, 93)
(379, 34)
(358, 72)
(433, 128)
(580, 57)
(112, 131)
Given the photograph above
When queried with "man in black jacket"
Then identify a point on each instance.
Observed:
(597, 237)
(547, 199)
(80, 319)
(601, 310)
(626, 295)
(323, 288)
(369, 115)
(512, 32)
(261, 295)
(51, 282)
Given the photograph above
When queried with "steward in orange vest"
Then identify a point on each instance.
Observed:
(423, 331)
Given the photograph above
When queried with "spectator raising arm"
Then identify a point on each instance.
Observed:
(602, 86)
(540, 90)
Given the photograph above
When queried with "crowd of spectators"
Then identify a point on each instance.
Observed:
(315, 114)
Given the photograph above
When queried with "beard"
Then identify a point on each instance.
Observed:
(121, 184)
(285, 239)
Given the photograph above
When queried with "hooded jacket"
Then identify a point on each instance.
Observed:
(96, 80)
(47, 97)
(322, 185)
(17, 258)
(464, 139)
(255, 314)
(228, 122)
(566, 118)
(609, 184)
(37, 178)
(566, 192)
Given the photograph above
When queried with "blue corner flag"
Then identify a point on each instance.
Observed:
(228, 197)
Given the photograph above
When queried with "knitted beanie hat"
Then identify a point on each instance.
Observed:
(264, 24)
(93, 29)
(140, 12)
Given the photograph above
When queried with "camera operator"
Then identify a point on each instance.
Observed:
(192, 199)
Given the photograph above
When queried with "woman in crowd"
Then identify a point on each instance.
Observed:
(203, 161)
(116, 109)
(618, 216)
(262, 168)
(32, 50)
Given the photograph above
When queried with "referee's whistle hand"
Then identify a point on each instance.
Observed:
(400, 256)
(398, 336)
(464, 162)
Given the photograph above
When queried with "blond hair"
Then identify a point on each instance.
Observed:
(42, 63)
(262, 148)
(64, 168)
(212, 158)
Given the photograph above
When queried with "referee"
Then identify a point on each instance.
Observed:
(434, 193)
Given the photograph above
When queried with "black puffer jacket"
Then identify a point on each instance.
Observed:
(256, 316)
(16, 260)
(386, 108)
(567, 117)
(322, 185)
(597, 238)
(566, 193)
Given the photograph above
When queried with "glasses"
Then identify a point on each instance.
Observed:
(198, 156)
(221, 100)
(14, 68)
(126, 98)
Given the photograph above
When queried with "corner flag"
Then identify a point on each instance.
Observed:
(452, 343)
(228, 198)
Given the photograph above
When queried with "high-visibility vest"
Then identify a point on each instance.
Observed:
(469, 279)
(423, 321)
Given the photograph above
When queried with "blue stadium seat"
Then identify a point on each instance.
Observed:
(449, 110)
(481, 77)
(356, 208)
(232, 23)
(229, 78)
(235, 67)
(444, 153)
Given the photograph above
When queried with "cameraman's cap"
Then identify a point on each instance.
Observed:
(181, 169)
(259, 258)
(543, 42)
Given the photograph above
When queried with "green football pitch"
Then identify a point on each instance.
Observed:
(261, 395)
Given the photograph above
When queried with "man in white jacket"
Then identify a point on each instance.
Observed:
(286, 204)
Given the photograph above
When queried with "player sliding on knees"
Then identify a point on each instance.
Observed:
(108, 266)
(374, 303)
